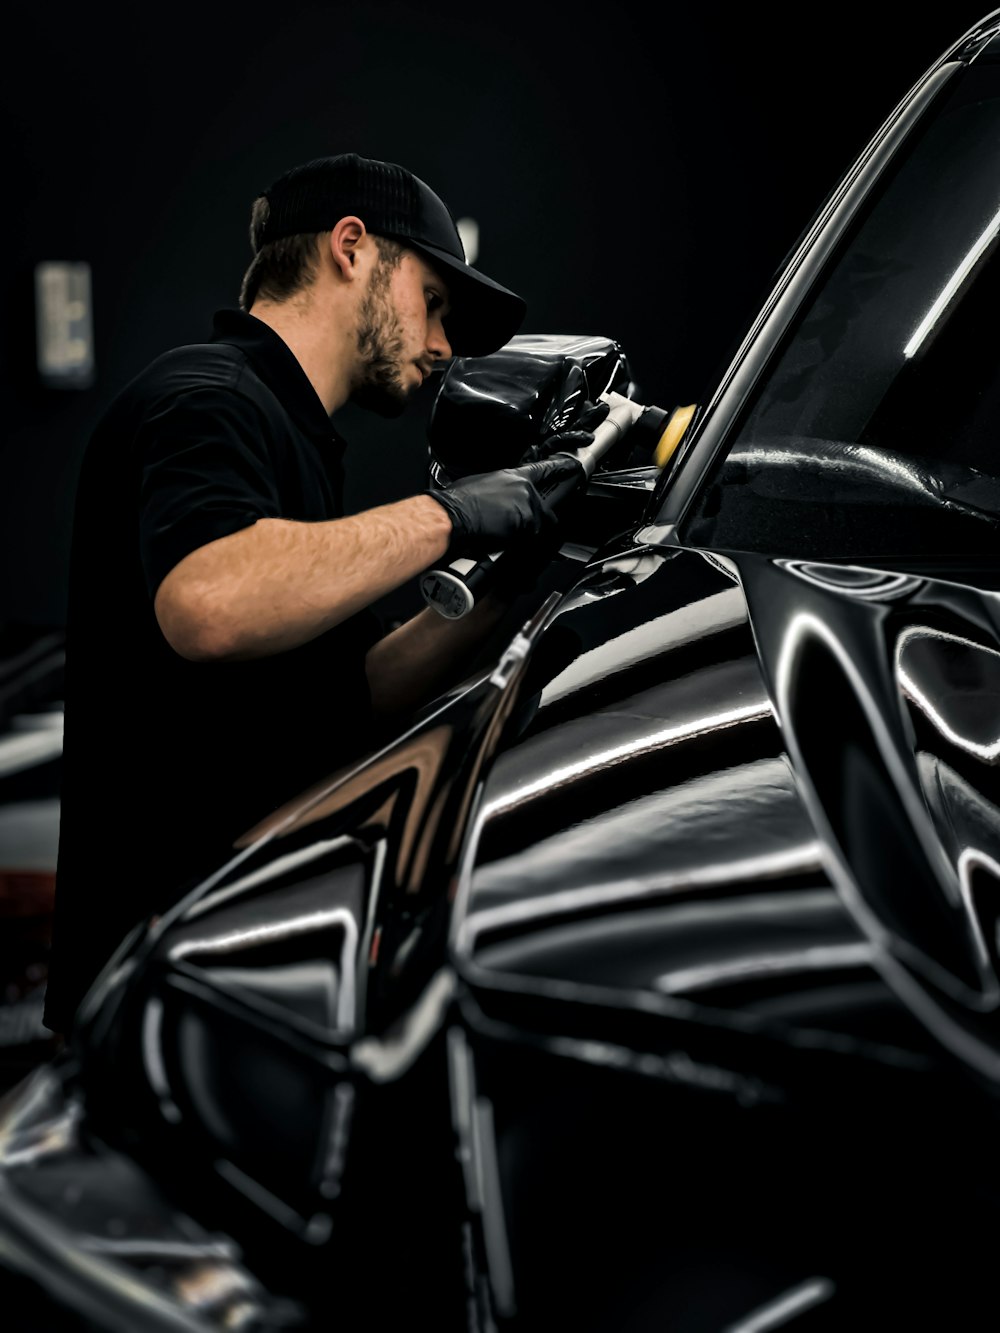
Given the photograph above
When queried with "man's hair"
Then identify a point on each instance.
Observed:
(286, 266)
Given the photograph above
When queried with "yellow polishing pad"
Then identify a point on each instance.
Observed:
(673, 433)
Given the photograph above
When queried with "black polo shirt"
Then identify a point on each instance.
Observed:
(166, 762)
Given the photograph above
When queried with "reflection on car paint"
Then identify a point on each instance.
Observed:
(599, 996)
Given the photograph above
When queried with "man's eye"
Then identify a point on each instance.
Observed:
(434, 301)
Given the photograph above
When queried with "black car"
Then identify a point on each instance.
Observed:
(649, 979)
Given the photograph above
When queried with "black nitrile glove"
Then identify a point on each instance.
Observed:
(522, 563)
(577, 436)
(491, 510)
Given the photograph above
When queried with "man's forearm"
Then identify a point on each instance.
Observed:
(280, 583)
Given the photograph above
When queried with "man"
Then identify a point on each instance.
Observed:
(221, 655)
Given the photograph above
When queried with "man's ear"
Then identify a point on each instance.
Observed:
(345, 238)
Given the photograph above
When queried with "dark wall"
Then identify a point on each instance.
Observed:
(637, 171)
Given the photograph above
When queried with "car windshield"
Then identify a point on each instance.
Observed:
(877, 428)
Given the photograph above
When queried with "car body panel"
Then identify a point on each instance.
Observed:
(601, 995)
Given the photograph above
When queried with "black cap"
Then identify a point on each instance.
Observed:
(392, 202)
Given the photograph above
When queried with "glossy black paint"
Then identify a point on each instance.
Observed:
(648, 979)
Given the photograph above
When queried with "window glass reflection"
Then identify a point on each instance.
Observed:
(878, 429)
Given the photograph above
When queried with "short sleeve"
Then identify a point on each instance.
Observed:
(206, 472)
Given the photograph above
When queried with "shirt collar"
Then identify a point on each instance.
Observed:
(278, 367)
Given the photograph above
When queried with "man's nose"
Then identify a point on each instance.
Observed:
(438, 343)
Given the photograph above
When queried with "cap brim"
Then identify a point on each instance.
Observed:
(484, 316)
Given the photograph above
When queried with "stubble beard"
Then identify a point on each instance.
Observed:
(380, 343)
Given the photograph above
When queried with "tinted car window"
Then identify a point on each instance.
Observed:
(877, 430)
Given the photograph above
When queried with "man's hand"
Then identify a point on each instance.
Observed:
(577, 436)
(490, 510)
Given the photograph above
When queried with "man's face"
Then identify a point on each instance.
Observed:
(400, 332)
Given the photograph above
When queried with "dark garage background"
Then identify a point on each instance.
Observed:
(637, 171)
